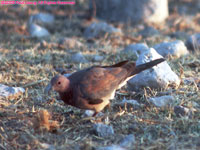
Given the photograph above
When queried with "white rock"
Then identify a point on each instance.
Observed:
(103, 130)
(78, 58)
(162, 101)
(160, 76)
(132, 10)
(90, 113)
(100, 29)
(193, 42)
(37, 31)
(38, 23)
(112, 147)
(176, 48)
(6, 91)
(136, 49)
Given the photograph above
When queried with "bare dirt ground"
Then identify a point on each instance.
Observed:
(37, 121)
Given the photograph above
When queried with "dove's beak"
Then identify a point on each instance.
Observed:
(48, 88)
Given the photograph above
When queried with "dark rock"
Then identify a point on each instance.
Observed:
(182, 111)
(179, 35)
(134, 11)
(103, 130)
(162, 101)
(193, 42)
(96, 30)
(128, 141)
(129, 103)
(149, 32)
(78, 58)
(136, 49)
(42, 18)
(98, 58)
(69, 43)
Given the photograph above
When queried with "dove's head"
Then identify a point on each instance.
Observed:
(59, 83)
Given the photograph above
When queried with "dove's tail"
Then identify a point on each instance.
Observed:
(148, 65)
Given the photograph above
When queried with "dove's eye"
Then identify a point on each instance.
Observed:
(59, 82)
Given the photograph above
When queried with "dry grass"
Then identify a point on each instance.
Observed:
(38, 121)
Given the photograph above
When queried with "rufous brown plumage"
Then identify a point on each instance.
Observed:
(92, 88)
